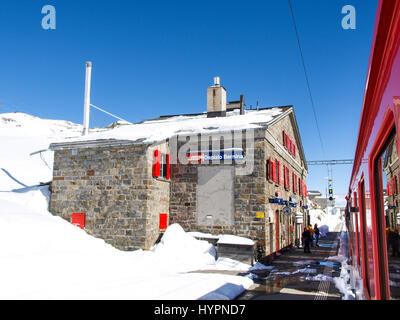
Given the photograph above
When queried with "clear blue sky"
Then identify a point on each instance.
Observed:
(155, 58)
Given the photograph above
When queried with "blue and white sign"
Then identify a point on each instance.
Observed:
(213, 155)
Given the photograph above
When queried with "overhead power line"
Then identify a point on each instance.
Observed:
(329, 162)
(306, 76)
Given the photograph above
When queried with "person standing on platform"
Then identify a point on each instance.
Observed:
(306, 237)
(316, 233)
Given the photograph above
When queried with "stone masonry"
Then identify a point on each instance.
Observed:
(114, 186)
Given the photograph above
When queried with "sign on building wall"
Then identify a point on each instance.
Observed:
(215, 155)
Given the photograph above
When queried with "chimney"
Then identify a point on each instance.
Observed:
(216, 100)
(242, 104)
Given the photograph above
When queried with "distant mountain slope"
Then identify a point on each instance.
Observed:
(20, 135)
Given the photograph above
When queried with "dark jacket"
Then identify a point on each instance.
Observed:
(306, 235)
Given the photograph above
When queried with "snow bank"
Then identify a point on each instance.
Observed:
(231, 239)
(327, 222)
(46, 257)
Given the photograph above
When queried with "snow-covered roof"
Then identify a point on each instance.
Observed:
(160, 129)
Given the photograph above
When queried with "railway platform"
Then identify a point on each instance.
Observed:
(295, 275)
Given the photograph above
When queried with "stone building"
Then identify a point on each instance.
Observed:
(224, 171)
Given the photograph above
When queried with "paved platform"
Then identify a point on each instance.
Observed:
(295, 275)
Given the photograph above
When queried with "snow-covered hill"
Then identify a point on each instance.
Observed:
(22, 134)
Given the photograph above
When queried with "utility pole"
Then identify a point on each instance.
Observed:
(86, 103)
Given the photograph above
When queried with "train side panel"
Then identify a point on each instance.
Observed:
(365, 215)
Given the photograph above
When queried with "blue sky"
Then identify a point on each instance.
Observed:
(156, 58)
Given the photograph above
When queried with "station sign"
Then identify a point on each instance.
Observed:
(215, 155)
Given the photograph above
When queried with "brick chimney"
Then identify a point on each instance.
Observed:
(216, 100)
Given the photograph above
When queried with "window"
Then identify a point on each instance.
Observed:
(385, 231)
(294, 182)
(161, 165)
(279, 172)
(284, 138)
(268, 169)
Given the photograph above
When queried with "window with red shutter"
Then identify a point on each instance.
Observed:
(388, 189)
(284, 177)
(161, 165)
(279, 172)
(294, 182)
(284, 138)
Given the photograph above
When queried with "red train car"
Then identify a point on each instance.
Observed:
(372, 213)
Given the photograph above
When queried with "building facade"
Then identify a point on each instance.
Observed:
(230, 171)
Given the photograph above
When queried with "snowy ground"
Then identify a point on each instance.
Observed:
(45, 257)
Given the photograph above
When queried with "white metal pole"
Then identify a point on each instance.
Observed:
(86, 105)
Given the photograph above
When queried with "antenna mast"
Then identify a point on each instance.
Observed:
(86, 104)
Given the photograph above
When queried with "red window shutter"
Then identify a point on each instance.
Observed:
(168, 168)
(294, 150)
(284, 177)
(287, 142)
(294, 182)
(393, 187)
(302, 187)
(271, 171)
(279, 172)
(156, 163)
(284, 137)
(395, 183)
(388, 189)
(305, 190)
(300, 191)
(274, 172)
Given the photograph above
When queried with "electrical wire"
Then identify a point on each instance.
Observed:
(306, 76)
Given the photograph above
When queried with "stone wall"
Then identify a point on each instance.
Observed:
(113, 185)
(249, 195)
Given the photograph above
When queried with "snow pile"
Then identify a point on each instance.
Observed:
(183, 251)
(46, 257)
(349, 282)
(231, 239)
(327, 222)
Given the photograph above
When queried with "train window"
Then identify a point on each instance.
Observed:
(364, 241)
(389, 163)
